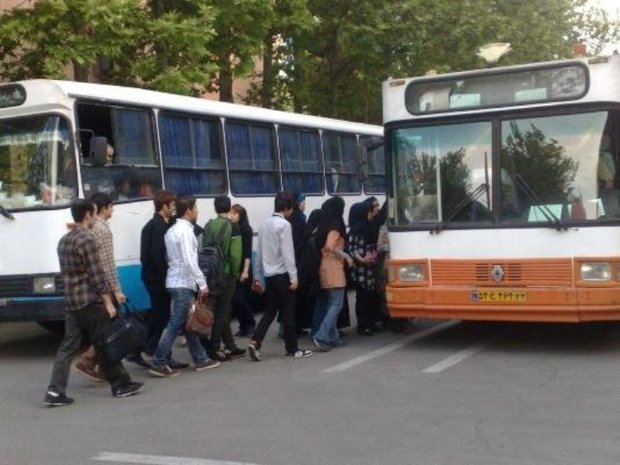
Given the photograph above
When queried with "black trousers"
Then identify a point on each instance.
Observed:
(280, 300)
(242, 309)
(158, 318)
(365, 307)
(90, 320)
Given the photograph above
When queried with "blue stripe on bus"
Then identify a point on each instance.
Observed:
(132, 286)
(34, 299)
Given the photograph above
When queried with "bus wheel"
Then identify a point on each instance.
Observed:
(56, 326)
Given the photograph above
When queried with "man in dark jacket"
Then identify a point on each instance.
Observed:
(155, 267)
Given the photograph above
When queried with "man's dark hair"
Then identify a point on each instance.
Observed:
(283, 201)
(221, 204)
(163, 197)
(80, 207)
(101, 200)
(184, 203)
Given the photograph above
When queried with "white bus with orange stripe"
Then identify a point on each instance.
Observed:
(504, 193)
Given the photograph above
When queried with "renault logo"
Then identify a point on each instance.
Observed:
(497, 273)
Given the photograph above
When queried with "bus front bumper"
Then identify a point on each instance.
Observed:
(32, 309)
(571, 305)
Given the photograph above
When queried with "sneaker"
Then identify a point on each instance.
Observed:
(206, 365)
(91, 372)
(221, 356)
(56, 399)
(138, 360)
(176, 365)
(299, 353)
(128, 389)
(254, 352)
(321, 346)
(235, 353)
(163, 372)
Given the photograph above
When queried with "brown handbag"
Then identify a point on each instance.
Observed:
(199, 319)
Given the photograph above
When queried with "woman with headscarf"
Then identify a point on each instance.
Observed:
(363, 248)
(331, 240)
(308, 273)
(298, 223)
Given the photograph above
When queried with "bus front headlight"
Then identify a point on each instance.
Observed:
(596, 271)
(44, 285)
(409, 273)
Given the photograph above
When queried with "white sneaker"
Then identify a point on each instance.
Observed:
(299, 353)
(254, 352)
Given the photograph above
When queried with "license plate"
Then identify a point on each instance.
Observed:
(499, 296)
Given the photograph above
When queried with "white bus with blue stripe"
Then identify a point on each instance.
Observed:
(49, 129)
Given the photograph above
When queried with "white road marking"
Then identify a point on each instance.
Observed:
(390, 347)
(159, 459)
(459, 356)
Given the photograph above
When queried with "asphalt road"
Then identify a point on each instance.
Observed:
(447, 393)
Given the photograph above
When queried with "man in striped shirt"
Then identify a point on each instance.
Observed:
(183, 278)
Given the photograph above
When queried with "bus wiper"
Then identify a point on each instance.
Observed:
(469, 198)
(7, 214)
(531, 194)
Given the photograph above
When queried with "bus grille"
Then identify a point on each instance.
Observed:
(21, 286)
(536, 272)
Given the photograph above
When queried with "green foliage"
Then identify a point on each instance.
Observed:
(325, 57)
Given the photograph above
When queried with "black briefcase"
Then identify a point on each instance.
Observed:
(121, 336)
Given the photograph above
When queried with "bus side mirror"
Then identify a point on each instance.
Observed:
(98, 150)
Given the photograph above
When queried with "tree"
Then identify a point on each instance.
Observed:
(541, 162)
(272, 87)
(52, 36)
(240, 27)
(355, 45)
(160, 44)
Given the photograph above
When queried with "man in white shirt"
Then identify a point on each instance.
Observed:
(182, 279)
(275, 264)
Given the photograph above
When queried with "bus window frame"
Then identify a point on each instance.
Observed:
(276, 153)
(325, 133)
(220, 143)
(495, 118)
(503, 106)
(363, 160)
(115, 104)
(321, 172)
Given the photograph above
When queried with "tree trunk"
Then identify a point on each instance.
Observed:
(226, 80)
(267, 89)
(80, 72)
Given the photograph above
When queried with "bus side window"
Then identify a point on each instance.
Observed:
(118, 151)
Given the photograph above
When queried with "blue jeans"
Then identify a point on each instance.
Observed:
(181, 302)
(329, 303)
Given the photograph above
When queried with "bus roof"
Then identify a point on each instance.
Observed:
(44, 93)
(594, 80)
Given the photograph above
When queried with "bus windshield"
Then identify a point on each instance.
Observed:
(37, 163)
(550, 169)
(440, 168)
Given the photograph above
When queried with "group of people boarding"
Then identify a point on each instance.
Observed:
(319, 248)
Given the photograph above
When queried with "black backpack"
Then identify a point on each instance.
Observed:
(211, 259)
(309, 264)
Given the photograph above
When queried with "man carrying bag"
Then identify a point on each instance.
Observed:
(89, 307)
